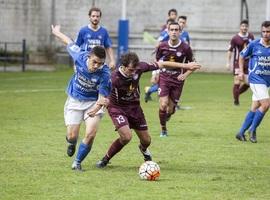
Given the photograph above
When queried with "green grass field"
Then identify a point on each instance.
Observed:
(200, 159)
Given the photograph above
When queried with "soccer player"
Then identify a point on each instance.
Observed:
(171, 81)
(237, 44)
(259, 81)
(172, 14)
(124, 103)
(182, 21)
(95, 35)
(87, 91)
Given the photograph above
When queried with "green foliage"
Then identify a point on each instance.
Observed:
(200, 159)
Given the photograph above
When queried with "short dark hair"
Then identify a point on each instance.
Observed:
(172, 10)
(266, 24)
(169, 21)
(94, 9)
(175, 23)
(182, 17)
(129, 58)
(99, 51)
(244, 21)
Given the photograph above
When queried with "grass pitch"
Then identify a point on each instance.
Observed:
(200, 159)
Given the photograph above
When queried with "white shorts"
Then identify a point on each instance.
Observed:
(75, 111)
(260, 91)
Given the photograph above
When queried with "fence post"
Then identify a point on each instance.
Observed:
(23, 54)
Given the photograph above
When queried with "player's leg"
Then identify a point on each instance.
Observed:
(174, 97)
(244, 85)
(72, 137)
(91, 124)
(145, 141)
(236, 86)
(163, 117)
(152, 89)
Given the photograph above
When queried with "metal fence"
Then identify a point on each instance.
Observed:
(7, 56)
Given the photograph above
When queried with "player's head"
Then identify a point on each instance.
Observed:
(169, 21)
(174, 31)
(172, 14)
(97, 58)
(182, 21)
(129, 61)
(94, 15)
(244, 26)
(265, 28)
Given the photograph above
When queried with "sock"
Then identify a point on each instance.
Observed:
(256, 120)
(236, 92)
(153, 88)
(243, 88)
(115, 147)
(162, 119)
(143, 147)
(71, 141)
(247, 122)
(83, 151)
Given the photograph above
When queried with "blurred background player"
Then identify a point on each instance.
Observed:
(184, 35)
(172, 14)
(124, 106)
(259, 80)
(95, 35)
(154, 86)
(237, 44)
(171, 81)
(87, 91)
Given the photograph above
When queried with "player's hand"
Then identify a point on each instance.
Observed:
(103, 102)
(181, 77)
(55, 29)
(193, 66)
(95, 109)
(228, 66)
(112, 65)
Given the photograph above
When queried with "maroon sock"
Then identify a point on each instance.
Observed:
(243, 88)
(162, 119)
(236, 92)
(115, 147)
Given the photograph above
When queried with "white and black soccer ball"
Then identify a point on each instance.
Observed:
(149, 170)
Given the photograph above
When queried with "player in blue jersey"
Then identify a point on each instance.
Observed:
(259, 79)
(95, 35)
(87, 91)
(182, 21)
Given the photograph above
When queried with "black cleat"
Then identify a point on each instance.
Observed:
(252, 137)
(146, 154)
(236, 103)
(241, 137)
(71, 149)
(147, 97)
(102, 163)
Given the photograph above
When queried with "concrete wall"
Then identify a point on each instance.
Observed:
(31, 19)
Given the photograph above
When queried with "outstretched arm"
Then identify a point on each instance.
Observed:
(56, 31)
(190, 66)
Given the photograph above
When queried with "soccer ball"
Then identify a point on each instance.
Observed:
(149, 170)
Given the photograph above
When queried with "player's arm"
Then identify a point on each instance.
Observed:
(56, 31)
(109, 51)
(229, 58)
(102, 101)
(189, 66)
(241, 67)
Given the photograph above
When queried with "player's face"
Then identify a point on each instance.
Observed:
(95, 63)
(182, 23)
(173, 15)
(174, 32)
(95, 18)
(129, 71)
(266, 33)
(244, 28)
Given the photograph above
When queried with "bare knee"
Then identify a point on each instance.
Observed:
(125, 138)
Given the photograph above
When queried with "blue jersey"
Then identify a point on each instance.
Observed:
(88, 38)
(259, 63)
(85, 85)
(164, 36)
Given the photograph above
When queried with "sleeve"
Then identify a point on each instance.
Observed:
(246, 52)
(74, 51)
(189, 55)
(79, 40)
(158, 53)
(145, 67)
(232, 45)
(105, 84)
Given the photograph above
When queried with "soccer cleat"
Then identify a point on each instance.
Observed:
(163, 133)
(71, 149)
(102, 163)
(147, 97)
(241, 137)
(252, 137)
(146, 154)
(76, 166)
(236, 103)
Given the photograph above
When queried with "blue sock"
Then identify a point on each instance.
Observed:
(153, 88)
(256, 121)
(83, 151)
(246, 124)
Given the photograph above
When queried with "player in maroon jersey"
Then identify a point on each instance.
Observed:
(124, 106)
(237, 44)
(171, 81)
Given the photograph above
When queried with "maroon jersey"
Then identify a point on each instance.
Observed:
(180, 53)
(238, 43)
(125, 90)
